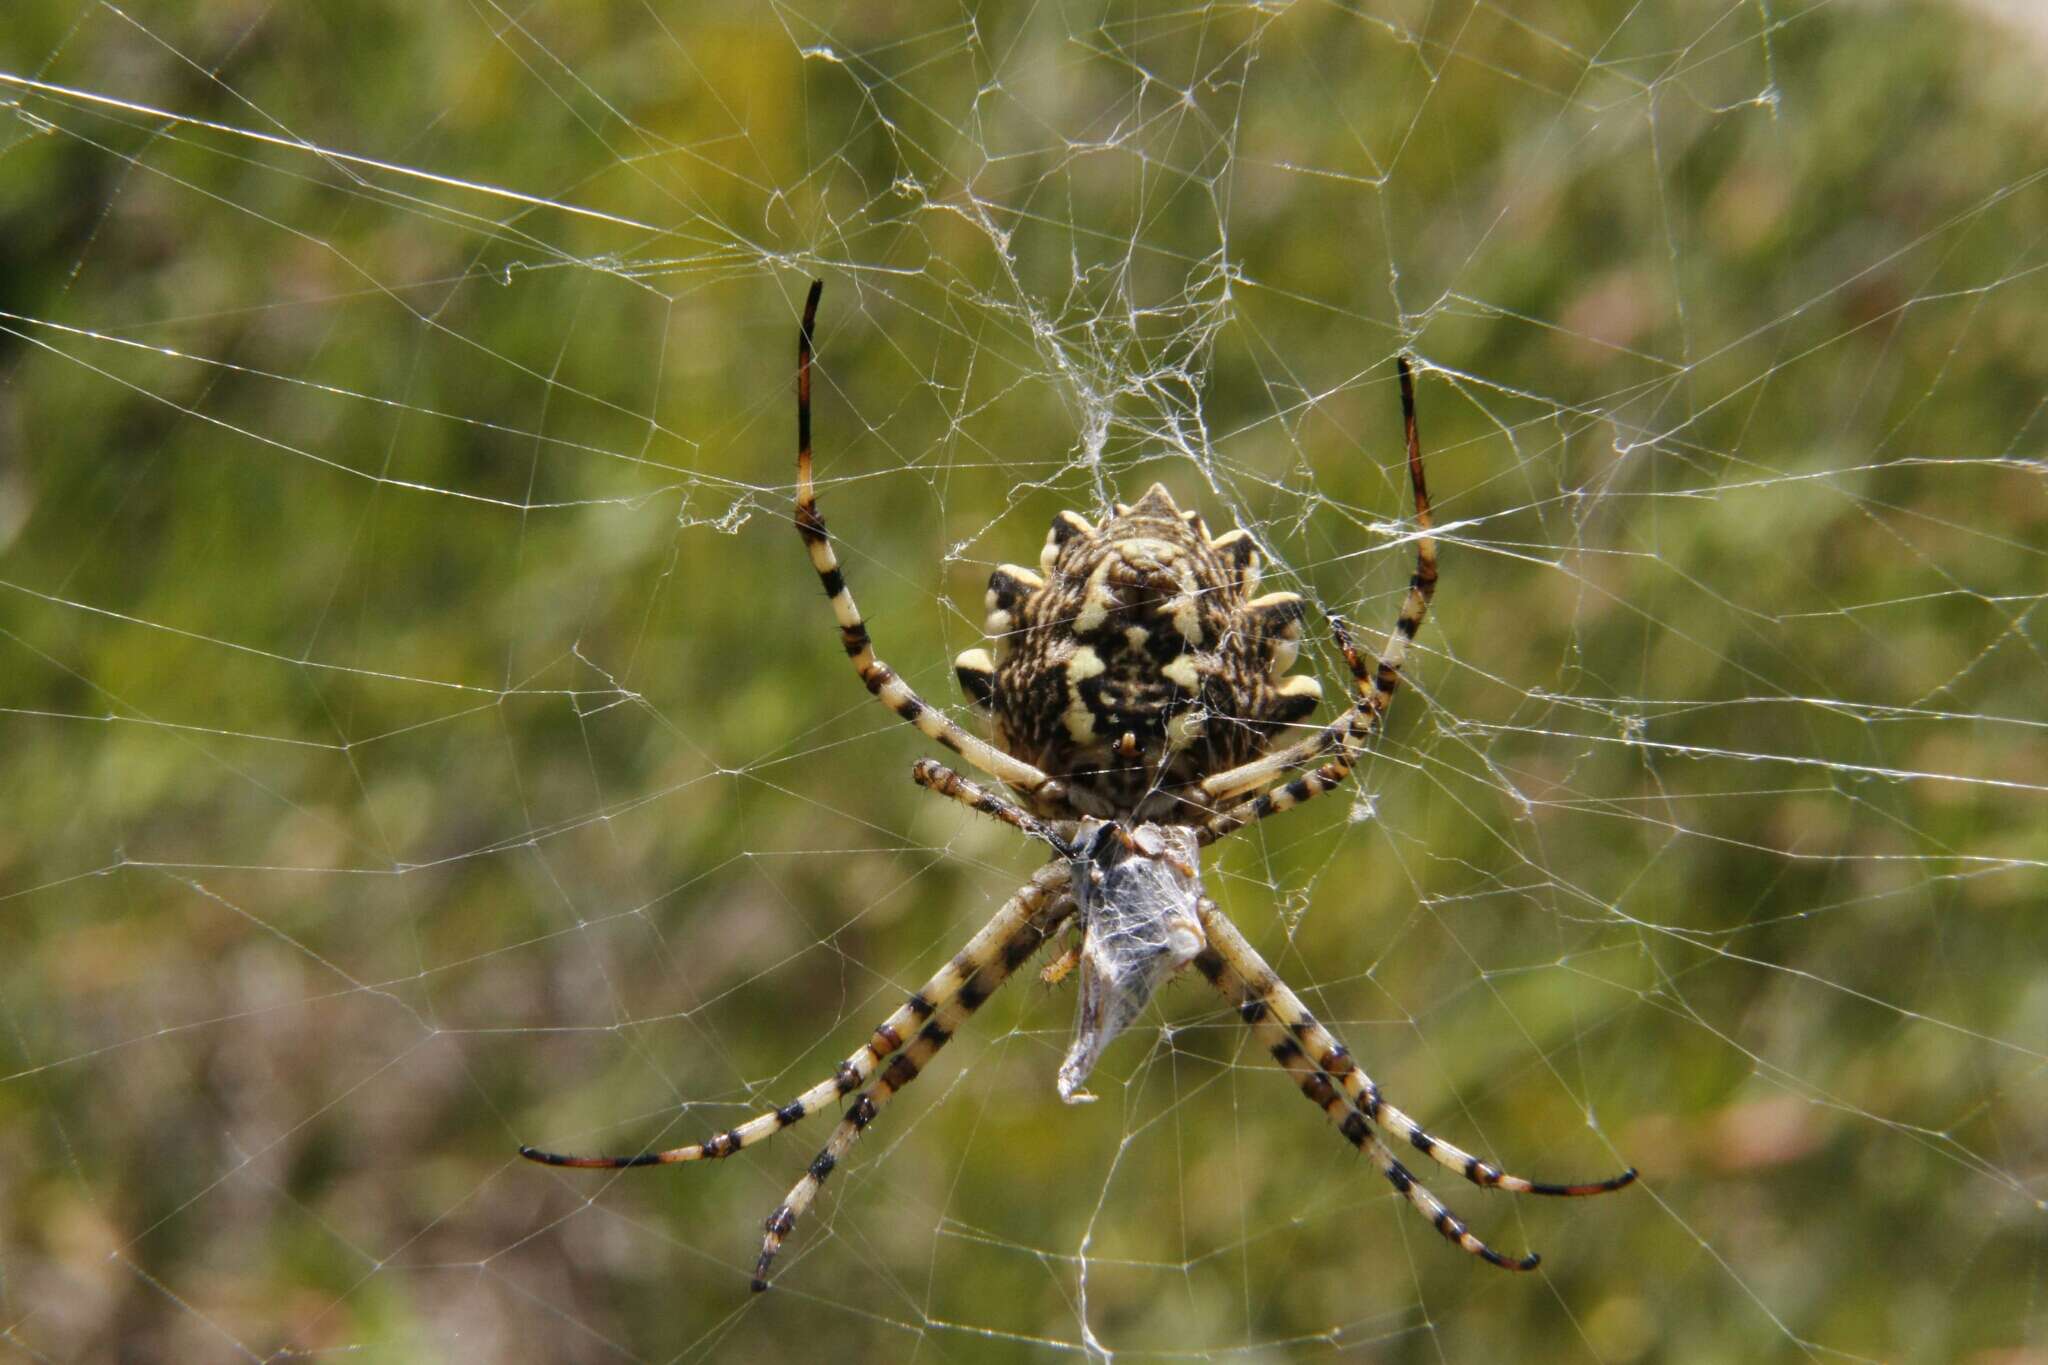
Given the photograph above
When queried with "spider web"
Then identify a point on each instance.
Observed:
(420, 733)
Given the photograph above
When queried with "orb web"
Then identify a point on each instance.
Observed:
(422, 735)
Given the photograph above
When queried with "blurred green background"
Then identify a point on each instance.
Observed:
(420, 732)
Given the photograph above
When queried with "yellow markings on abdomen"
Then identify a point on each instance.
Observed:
(1082, 665)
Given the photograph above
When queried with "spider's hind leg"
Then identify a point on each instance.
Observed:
(1044, 893)
(977, 970)
(1328, 1076)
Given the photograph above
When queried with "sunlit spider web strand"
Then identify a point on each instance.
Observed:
(975, 974)
(990, 944)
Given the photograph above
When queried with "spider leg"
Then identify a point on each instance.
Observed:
(992, 943)
(935, 776)
(978, 970)
(1374, 688)
(1285, 796)
(1061, 967)
(881, 679)
(1327, 1075)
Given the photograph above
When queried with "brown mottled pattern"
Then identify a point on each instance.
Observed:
(1150, 568)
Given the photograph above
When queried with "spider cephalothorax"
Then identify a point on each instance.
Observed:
(1137, 687)
(1138, 659)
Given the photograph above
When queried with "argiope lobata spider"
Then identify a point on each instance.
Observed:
(1138, 685)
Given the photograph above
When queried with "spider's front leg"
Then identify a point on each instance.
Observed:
(1285, 796)
(1373, 688)
(1329, 1077)
(880, 679)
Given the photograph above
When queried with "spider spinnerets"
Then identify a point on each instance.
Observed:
(1137, 688)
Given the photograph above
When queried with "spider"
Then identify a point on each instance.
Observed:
(1137, 690)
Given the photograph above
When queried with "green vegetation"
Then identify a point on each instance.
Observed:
(420, 732)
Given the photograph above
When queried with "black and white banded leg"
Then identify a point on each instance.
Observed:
(1041, 901)
(1327, 1074)
(979, 978)
(1373, 689)
(881, 680)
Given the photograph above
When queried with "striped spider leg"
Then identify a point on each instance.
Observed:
(977, 971)
(1373, 690)
(1302, 1046)
(935, 776)
(1329, 1077)
(881, 680)
(1285, 796)
(1110, 658)
(913, 1034)
(925, 1022)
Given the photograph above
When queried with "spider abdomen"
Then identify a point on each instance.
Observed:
(1137, 659)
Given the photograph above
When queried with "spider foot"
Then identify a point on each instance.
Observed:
(598, 1163)
(1607, 1186)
